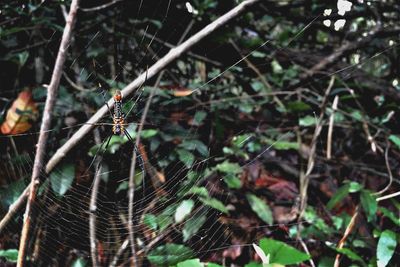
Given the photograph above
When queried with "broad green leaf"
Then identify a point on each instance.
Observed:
(195, 145)
(151, 221)
(254, 264)
(199, 116)
(260, 208)
(183, 210)
(191, 263)
(169, 254)
(283, 145)
(228, 167)
(391, 215)
(10, 194)
(296, 106)
(10, 254)
(186, 157)
(115, 142)
(61, 180)
(210, 264)
(193, 225)
(340, 194)
(232, 181)
(307, 121)
(199, 191)
(351, 254)
(395, 139)
(354, 187)
(214, 203)
(148, 133)
(386, 246)
(281, 253)
(369, 204)
(79, 262)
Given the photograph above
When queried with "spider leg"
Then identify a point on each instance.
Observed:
(138, 156)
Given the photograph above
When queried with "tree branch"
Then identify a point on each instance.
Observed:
(44, 129)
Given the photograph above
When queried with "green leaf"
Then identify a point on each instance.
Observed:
(61, 180)
(79, 262)
(151, 221)
(169, 254)
(10, 194)
(354, 187)
(340, 194)
(369, 204)
(148, 133)
(228, 167)
(183, 210)
(281, 253)
(193, 225)
(199, 116)
(210, 264)
(10, 254)
(214, 203)
(395, 139)
(115, 142)
(232, 181)
(386, 246)
(191, 263)
(307, 121)
(350, 254)
(283, 145)
(391, 215)
(260, 208)
(186, 157)
(199, 191)
(195, 145)
(298, 106)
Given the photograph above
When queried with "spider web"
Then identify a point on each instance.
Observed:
(195, 190)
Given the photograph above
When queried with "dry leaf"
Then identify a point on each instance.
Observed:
(20, 115)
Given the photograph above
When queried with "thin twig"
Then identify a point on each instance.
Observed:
(389, 184)
(330, 129)
(44, 128)
(347, 232)
(305, 178)
(93, 204)
(97, 8)
(388, 196)
(172, 55)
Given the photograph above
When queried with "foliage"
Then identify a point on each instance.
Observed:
(228, 136)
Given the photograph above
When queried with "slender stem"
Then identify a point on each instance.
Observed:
(44, 128)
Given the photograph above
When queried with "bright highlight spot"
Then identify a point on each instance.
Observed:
(343, 6)
(339, 24)
(191, 9)
(327, 22)
(327, 12)
(395, 82)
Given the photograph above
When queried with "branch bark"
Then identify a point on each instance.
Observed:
(52, 92)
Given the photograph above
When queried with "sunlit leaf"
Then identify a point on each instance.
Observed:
(10, 254)
(79, 262)
(340, 194)
(183, 210)
(386, 246)
(395, 139)
(281, 253)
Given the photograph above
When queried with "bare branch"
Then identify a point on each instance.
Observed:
(44, 129)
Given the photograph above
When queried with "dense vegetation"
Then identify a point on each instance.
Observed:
(280, 129)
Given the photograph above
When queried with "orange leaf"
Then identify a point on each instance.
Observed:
(182, 92)
(20, 115)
